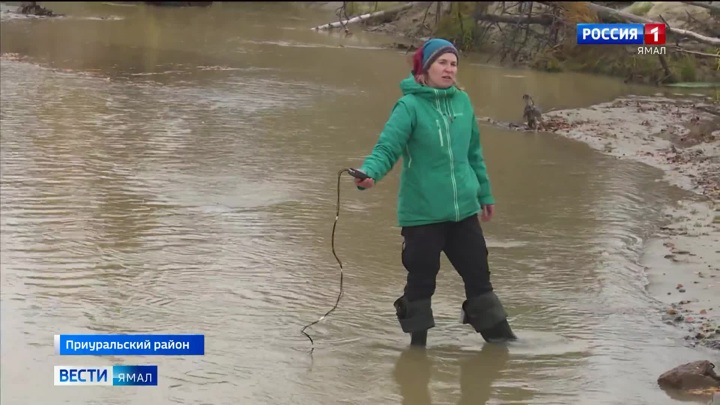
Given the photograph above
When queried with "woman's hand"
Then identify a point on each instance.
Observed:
(367, 183)
(487, 212)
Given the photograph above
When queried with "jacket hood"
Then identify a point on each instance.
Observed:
(409, 86)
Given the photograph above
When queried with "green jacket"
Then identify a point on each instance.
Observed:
(443, 177)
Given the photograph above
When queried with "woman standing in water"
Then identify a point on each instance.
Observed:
(443, 187)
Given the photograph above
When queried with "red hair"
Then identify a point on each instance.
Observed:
(417, 63)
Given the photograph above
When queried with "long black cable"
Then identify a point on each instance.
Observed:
(332, 244)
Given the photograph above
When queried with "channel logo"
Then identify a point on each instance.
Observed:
(120, 375)
(621, 34)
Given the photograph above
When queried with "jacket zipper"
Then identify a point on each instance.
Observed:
(452, 171)
(452, 163)
(440, 136)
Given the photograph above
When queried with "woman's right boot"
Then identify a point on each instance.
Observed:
(416, 318)
(418, 338)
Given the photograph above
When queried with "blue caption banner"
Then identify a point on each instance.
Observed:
(610, 34)
(117, 376)
(130, 345)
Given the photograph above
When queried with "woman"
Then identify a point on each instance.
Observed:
(443, 186)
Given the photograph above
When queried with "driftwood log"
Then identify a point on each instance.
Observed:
(364, 17)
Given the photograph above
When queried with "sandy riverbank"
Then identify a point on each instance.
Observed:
(682, 138)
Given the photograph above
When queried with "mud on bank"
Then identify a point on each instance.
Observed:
(682, 138)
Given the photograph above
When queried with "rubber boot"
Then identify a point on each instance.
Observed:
(416, 318)
(485, 313)
(419, 338)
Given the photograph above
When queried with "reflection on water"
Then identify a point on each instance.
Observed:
(173, 171)
(478, 373)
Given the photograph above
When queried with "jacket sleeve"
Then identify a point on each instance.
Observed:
(390, 144)
(477, 161)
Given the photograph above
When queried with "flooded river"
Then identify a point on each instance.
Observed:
(174, 171)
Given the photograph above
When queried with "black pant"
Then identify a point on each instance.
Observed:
(464, 245)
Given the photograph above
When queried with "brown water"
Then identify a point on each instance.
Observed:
(174, 171)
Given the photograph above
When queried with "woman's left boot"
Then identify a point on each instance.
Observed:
(485, 313)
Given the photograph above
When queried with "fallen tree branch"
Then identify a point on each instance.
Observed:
(516, 19)
(710, 30)
(363, 17)
(710, 55)
(609, 12)
(422, 23)
(340, 12)
(527, 30)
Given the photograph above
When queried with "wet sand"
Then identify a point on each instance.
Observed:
(682, 138)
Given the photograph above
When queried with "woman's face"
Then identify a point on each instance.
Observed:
(442, 72)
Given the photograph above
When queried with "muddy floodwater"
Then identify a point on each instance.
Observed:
(174, 171)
